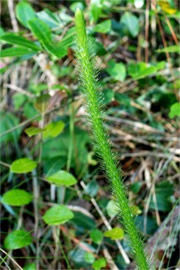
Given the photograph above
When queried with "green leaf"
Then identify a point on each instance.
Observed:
(163, 191)
(62, 178)
(30, 266)
(53, 129)
(116, 70)
(96, 236)
(17, 239)
(20, 41)
(50, 18)
(57, 215)
(25, 13)
(89, 257)
(131, 22)
(170, 49)
(103, 27)
(174, 110)
(42, 31)
(23, 165)
(15, 52)
(99, 264)
(82, 222)
(31, 131)
(115, 233)
(17, 197)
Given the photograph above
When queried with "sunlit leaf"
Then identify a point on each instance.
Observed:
(20, 41)
(170, 49)
(116, 70)
(99, 264)
(15, 52)
(17, 197)
(131, 22)
(17, 239)
(96, 236)
(23, 165)
(103, 27)
(62, 178)
(31, 131)
(57, 215)
(115, 233)
(24, 12)
(53, 129)
(174, 110)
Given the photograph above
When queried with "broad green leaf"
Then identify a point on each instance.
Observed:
(52, 19)
(89, 257)
(174, 110)
(20, 41)
(82, 222)
(141, 69)
(30, 266)
(31, 131)
(115, 233)
(163, 191)
(57, 215)
(116, 70)
(17, 197)
(103, 27)
(131, 22)
(99, 264)
(96, 236)
(42, 31)
(24, 13)
(15, 52)
(17, 239)
(53, 129)
(23, 165)
(170, 49)
(62, 178)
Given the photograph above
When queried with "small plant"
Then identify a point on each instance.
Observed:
(89, 84)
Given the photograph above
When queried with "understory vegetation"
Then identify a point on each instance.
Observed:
(58, 209)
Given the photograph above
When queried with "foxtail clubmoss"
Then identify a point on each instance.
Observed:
(89, 83)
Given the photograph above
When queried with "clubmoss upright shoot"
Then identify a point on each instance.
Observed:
(89, 85)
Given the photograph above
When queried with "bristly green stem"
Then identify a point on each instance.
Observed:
(89, 84)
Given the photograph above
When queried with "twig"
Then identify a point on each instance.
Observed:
(19, 90)
(12, 15)
(11, 258)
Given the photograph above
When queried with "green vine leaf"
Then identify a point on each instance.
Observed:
(17, 197)
(23, 165)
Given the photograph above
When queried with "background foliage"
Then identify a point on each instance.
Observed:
(57, 211)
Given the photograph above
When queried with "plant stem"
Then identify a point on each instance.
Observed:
(103, 146)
